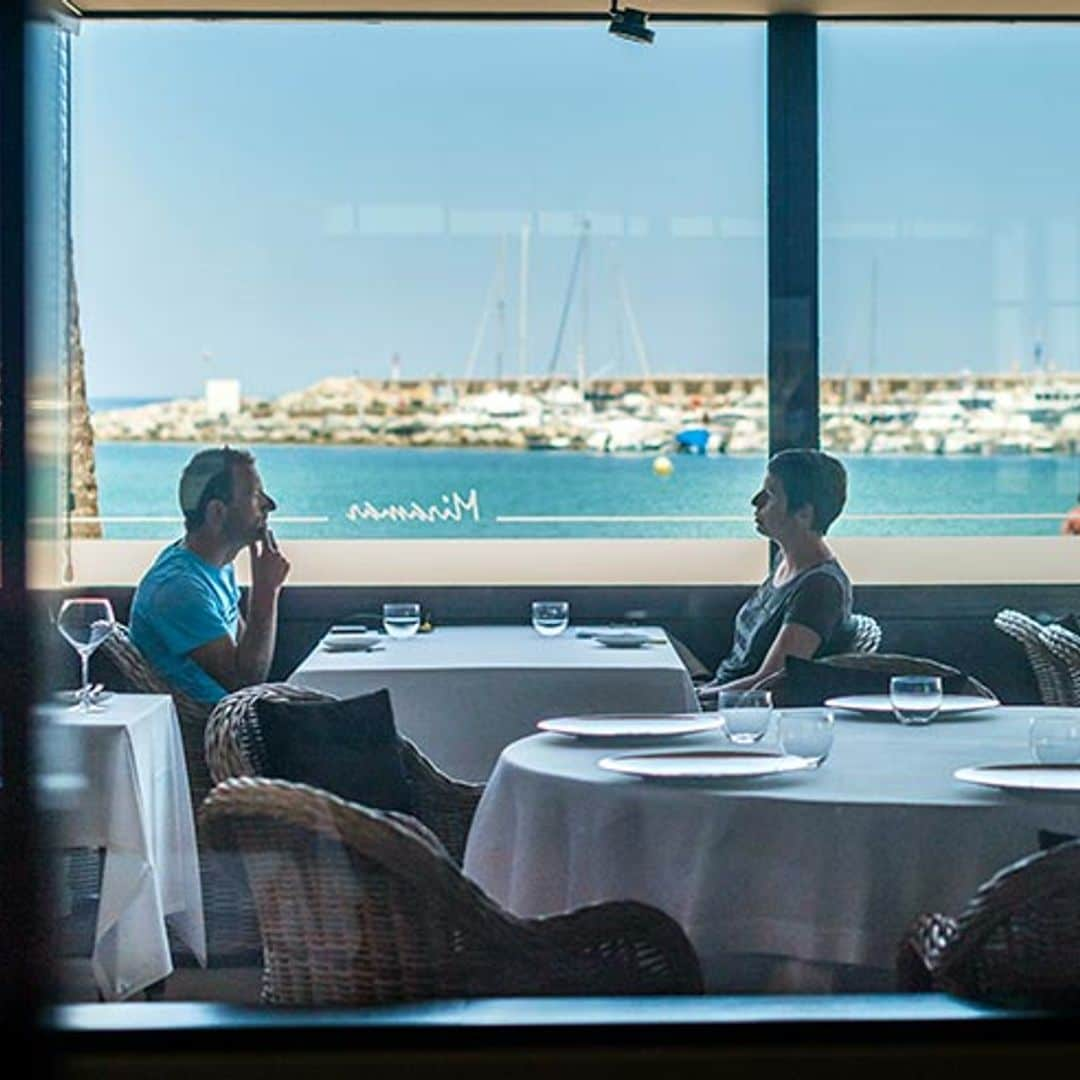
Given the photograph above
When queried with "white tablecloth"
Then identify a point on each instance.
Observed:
(463, 693)
(136, 805)
(826, 867)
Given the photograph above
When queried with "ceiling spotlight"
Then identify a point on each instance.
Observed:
(630, 24)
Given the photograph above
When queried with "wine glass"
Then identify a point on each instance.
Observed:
(745, 714)
(806, 734)
(1055, 740)
(401, 620)
(85, 622)
(915, 699)
(550, 617)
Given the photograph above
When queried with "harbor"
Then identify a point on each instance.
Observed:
(1000, 414)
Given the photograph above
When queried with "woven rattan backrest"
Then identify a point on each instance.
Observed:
(137, 676)
(867, 636)
(1064, 646)
(233, 744)
(1050, 677)
(366, 905)
(902, 664)
(1021, 893)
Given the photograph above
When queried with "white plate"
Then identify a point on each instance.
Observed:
(879, 704)
(631, 726)
(1023, 777)
(704, 765)
(624, 639)
(352, 643)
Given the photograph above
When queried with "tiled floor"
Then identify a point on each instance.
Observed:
(230, 985)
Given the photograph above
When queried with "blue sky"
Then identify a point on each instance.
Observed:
(278, 202)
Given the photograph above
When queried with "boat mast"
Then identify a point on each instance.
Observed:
(583, 342)
(523, 304)
(478, 338)
(500, 312)
(582, 241)
(635, 333)
(873, 327)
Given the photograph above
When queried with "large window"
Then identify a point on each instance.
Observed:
(464, 290)
(950, 255)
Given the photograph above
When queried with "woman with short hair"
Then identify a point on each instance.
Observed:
(803, 608)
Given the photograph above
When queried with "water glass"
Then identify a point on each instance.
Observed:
(1055, 740)
(401, 620)
(745, 714)
(806, 734)
(915, 699)
(84, 623)
(550, 617)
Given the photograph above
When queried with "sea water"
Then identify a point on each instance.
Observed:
(332, 492)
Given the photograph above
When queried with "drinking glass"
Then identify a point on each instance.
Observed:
(1055, 740)
(550, 617)
(745, 714)
(806, 734)
(915, 699)
(401, 620)
(85, 622)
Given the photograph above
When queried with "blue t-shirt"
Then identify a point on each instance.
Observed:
(181, 603)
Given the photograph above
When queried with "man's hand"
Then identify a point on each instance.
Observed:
(269, 568)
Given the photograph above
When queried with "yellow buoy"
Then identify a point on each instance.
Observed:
(662, 465)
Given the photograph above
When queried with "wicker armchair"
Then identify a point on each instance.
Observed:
(1064, 646)
(867, 635)
(1016, 942)
(360, 906)
(232, 930)
(1050, 675)
(234, 748)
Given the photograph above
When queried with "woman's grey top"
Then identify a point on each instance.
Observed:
(818, 598)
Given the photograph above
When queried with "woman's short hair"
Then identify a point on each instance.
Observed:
(814, 479)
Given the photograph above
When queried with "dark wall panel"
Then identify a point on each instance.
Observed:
(949, 623)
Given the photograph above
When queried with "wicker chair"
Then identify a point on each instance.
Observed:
(360, 906)
(1050, 675)
(232, 929)
(1016, 942)
(1064, 646)
(234, 748)
(867, 634)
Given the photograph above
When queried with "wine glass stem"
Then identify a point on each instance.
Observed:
(84, 694)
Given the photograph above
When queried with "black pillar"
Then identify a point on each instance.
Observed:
(20, 913)
(792, 145)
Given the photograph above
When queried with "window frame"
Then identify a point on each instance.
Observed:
(793, 360)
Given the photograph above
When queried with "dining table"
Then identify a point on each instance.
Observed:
(463, 693)
(116, 780)
(791, 881)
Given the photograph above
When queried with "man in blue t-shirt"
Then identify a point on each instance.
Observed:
(185, 618)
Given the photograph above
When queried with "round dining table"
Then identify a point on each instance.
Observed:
(789, 882)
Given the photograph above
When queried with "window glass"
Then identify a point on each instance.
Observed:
(950, 255)
(442, 285)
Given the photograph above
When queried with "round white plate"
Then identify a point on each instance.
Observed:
(642, 726)
(622, 639)
(1023, 777)
(704, 765)
(879, 704)
(351, 642)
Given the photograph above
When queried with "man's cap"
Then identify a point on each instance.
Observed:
(199, 473)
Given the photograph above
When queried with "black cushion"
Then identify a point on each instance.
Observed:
(1049, 840)
(1070, 622)
(810, 682)
(349, 748)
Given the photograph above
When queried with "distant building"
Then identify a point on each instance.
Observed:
(222, 397)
